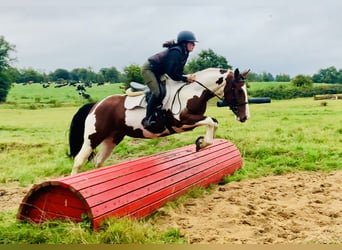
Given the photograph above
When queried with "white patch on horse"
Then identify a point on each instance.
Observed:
(247, 106)
(89, 127)
(134, 117)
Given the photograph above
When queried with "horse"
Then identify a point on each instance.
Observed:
(108, 121)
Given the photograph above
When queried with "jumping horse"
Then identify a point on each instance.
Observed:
(108, 121)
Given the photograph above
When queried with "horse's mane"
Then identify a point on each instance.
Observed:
(215, 70)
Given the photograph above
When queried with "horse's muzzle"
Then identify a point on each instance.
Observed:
(243, 119)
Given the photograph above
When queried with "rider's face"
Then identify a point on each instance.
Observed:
(190, 46)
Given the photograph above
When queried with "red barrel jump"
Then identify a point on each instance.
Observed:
(134, 188)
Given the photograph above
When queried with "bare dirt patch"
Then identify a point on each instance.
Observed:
(11, 197)
(294, 208)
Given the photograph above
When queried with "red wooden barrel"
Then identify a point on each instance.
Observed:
(134, 188)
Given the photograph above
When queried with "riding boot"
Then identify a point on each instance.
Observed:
(151, 112)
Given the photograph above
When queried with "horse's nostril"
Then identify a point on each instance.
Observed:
(243, 119)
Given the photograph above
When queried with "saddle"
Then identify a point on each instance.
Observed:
(137, 95)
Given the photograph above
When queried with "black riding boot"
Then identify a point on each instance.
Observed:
(151, 112)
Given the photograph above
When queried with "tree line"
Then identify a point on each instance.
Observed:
(205, 59)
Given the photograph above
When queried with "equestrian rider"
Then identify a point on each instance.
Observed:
(171, 62)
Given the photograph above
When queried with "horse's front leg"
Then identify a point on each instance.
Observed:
(211, 127)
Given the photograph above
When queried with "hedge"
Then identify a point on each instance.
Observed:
(282, 92)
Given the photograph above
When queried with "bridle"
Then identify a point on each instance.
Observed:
(235, 105)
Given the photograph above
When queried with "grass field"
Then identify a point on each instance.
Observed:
(283, 136)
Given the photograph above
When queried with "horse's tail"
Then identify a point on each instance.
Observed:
(76, 130)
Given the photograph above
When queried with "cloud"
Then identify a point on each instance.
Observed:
(289, 37)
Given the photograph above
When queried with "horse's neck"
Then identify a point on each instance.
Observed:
(206, 79)
(182, 89)
(177, 93)
(213, 79)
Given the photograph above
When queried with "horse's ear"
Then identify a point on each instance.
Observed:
(245, 73)
(236, 73)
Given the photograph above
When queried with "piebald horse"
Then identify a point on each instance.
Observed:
(108, 121)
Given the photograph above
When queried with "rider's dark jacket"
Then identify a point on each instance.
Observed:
(171, 62)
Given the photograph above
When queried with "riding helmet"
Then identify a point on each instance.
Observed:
(186, 36)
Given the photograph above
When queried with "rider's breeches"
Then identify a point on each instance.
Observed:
(150, 79)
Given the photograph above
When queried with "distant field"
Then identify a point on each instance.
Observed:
(35, 96)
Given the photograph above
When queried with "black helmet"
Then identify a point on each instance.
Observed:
(186, 36)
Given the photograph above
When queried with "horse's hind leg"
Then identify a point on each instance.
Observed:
(81, 157)
(107, 147)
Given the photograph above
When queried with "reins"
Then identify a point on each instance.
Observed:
(231, 106)
(178, 91)
(201, 84)
(174, 99)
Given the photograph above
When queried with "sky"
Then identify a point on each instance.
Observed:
(274, 36)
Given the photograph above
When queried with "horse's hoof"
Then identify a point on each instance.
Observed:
(198, 143)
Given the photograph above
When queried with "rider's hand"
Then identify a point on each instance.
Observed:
(191, 78)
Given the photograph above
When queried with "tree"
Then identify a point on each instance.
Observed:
(84, 75)
(13, 74)
(60, 74)
(253, 77)
(207, 59)
(27, 75)
(266, 77)
(283, 78)
(5, 83)
(302, 81)
(339, 78)
(132, 73)
(328, 75)
(110, 74)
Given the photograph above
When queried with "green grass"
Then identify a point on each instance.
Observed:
(113, 231)
(281, 137)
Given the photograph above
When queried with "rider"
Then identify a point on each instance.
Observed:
(171, 62)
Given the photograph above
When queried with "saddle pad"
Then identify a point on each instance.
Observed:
(132, 102)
